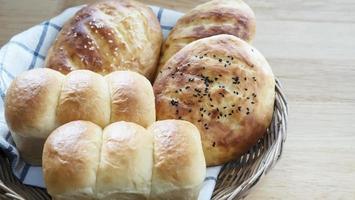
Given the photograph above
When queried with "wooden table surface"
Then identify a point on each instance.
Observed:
(310, 45)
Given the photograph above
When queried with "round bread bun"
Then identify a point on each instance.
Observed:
(179, 165)
(125, 168)
(108, 36)
(71, 157)
(39, 89)
(225, 87)
(84, 96)
(132, 98)
(215, 17)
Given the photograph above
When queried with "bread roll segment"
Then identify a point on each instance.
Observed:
(108, 36)
(132, 98)
(125, 168)
(179, 164)
(233, 17)
(84, 96)
(70, 160)
(40, 100)
(30, 110)
(225, 87)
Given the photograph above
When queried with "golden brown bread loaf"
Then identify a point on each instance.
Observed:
(225, 87)
(179, 164)
(108, 36)
(80, 161)
(215, 17)
(40, 100)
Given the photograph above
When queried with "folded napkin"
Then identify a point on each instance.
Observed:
(28, 50)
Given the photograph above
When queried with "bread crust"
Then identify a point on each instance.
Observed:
(225, 87)
(108, 36)
(233, 17)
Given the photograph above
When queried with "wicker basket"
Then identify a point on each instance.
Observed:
(234, 181)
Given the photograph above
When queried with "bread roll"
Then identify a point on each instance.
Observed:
(30, 109)
(179, 165)
(71, 157)
(125, 168)
(215, 17)
(84, 96)
(108, 36)
(40, 100)
(132, 98)
(225, 87)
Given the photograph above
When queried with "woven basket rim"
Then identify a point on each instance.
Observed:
(234, 181)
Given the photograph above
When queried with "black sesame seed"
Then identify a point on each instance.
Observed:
(199, 120)
(224, 107)
(160, 71)
(248, 97)
(169, 67)
(180, 117)
(225, 65)
(239, 108)
(180, 90)
(190, 110)
(176, 91)
(248, 113)
(214, 144)
(252, 102)
(214, 56)
(195, 95)
(187, 87)
(246, 89)
(245, 78)
(225, 115)
(219, 75)
(210, 99)
(174, 103)
(215, 79)
(212, 105)
(201, 109)
(233, 105)
(220, 60)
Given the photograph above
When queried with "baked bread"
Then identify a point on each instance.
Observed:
(215, 17)
(108, 36)
(125, 168)
(30, 110)
(132, 98)
(124, 161)
(85, 96)
(71, 157)
(40, 100)
(179, 165)
(225, 87)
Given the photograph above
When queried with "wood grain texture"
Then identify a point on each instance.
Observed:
(311, 48)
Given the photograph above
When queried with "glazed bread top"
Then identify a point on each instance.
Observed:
(225, 87)
(215, 17)
(108, 36)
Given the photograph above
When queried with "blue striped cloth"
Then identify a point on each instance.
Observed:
(28, 50)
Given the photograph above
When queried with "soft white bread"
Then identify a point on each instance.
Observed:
(108, 36)
(71, 157)
(30, 110)
(132, 98)
(125, 167)
(40, 100)
(233, 17)
(84, 96)
(179, 164)
(225, 87)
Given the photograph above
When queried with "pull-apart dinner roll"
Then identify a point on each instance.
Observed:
(30, 110)
(179, 164)
(40, 100)
(124, 161)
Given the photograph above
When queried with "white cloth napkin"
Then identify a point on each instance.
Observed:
(28, 50)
